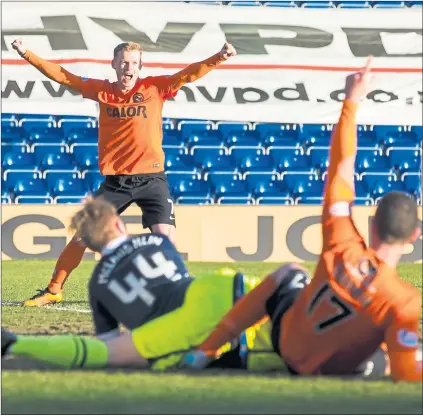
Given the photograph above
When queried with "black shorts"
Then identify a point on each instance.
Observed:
(149, 191)
(281, 301)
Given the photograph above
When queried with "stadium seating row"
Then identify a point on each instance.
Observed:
(61, 186)
(320, 4)
(275, 159)
(55, 159)
(32, 132)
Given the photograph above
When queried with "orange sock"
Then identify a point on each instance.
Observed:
(68, 260)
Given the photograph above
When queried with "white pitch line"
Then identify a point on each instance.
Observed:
(47, 307)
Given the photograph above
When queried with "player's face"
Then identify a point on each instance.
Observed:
(127, 65)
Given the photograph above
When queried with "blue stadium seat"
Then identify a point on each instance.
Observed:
(285, 4)
(239, 153)
(11, 178)
(354, 5)
(366, 136)
(319, 157)
(219, 181)
(69, 126)
(13, 135)
(398, 136)
(277, 134)
(207, 138)
(53, 160)
(9, 118)
(370, 160)
(380, 183)
(263, 183)
(412, 183)
(46, 135)
(192, 190)
(286, 139)
(168, 125)
(18, 160)
(300, 184)
(85, 156)
(93, 179)
(172, 139)
(415, 3)
(194, 127)
(389, 4)
(243, 139)
(37, 123)
(244, 3)
(179, 162)
(226, 128)
(51, 177)
(275, 200)
(174, 178)
(6, 198)
(27, 185)
(405, 159)
(316, 134)
(262, 163)
(212, 159)
(289, 159)
(318, 5)
(41, 151)
(86, 135)
(69, 191)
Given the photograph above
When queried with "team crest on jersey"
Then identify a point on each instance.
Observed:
(407, 338)
(138, 97)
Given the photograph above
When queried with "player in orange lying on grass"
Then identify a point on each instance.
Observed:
(130, 149)
(356, 301)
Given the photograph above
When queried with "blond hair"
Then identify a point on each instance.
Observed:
(92, 223)
(128, 46)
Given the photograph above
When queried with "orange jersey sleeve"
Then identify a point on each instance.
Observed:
(89, 88)
(169, 85)
(402, 339)
(337, 224)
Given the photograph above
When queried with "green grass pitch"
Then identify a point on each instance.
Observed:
(31, 388)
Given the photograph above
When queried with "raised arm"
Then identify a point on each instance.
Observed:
(87, 87)
(340, 191)
(170, 85)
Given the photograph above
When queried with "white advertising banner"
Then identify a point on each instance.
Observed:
(291, 63)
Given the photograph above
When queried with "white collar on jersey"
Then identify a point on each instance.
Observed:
(113, 244)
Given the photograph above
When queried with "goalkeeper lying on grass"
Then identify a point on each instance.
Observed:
(142, 284)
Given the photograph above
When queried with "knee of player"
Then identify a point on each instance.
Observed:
(292, 275)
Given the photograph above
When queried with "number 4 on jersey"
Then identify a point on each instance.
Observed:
(163, 268)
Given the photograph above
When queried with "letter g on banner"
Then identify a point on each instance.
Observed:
(56, 243)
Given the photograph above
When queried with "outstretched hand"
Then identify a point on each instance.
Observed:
(19, 46)
(227, 51)
(357, 85)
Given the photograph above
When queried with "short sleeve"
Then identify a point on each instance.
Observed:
(164, 86)
(90, 88)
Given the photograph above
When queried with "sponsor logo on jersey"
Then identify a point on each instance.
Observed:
(127, 112)
(407, 338)
(138, 97)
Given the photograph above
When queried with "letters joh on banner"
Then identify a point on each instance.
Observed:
(215, 233)
(290, 67)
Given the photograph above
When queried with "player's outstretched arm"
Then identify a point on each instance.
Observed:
(197, 70)
(343, 148)
(51, 70)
